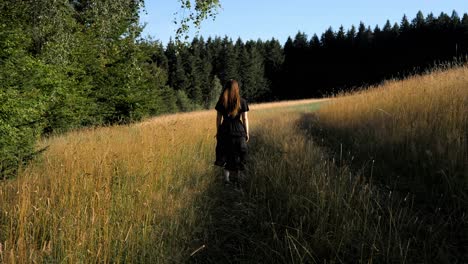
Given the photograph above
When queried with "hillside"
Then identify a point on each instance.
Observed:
(316, 189)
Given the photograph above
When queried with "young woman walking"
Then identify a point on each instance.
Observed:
(232, 126)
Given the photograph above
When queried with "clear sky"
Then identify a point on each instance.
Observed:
(264, 19)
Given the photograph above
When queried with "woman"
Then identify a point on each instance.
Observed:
(232, 133)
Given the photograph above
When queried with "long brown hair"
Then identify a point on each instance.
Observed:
(230, 97)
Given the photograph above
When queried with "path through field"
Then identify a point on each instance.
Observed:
(239, 216)
(148, 192)
(377, 177)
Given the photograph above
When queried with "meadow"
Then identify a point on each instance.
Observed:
(377, 176)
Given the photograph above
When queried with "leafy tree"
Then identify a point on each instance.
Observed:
(73, 63)
(199, 10)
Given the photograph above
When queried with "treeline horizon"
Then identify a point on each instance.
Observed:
(78, 63)
(337, 61)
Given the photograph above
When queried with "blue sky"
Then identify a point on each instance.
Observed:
(264, 19)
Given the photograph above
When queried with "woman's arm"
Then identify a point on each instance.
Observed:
(245, 121)
(218, 121)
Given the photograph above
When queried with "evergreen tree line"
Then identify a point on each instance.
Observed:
(73, 63)
(336, 61)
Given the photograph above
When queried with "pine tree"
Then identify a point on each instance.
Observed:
(314, 42)
(431, 20)
(252, 72)
(273, 60)
(328, 38)
(300, 41)
(228, 60)
(455, 18)
(404, 25)
(238, 48)
(351, 35)
(363, 36)
(387, 27)
(419, 21)
(465, 19)
(204, 70)
(444, 21)
(341, 37)
(195, 69)
(396, 29)
(288, 46)
(177, 77)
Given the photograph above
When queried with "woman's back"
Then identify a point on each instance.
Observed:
(232, 125)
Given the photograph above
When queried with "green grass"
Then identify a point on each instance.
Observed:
(302, 107)
(311, 107)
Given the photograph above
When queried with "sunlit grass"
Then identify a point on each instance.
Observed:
(416, 128)
(109, 194)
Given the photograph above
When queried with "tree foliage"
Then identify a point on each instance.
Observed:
(71, 63)
(198, 10)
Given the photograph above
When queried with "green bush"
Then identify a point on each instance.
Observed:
(184, 103)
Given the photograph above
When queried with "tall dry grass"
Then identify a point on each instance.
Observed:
(411, 137)
(416, 129)
(116, 194)
(112, 194)
(300, 206)
(147, 193)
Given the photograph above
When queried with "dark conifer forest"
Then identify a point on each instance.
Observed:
(69, 64)
(303, 67)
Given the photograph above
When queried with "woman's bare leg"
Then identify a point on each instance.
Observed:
(234, 175)
(226, 175)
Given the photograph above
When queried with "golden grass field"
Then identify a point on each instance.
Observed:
(148, 192)
(418, 125)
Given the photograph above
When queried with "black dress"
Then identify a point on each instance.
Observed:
(231, 146)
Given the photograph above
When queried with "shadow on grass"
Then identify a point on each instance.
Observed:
(438, 201)
(317, 211)
(276, 215)
(231, 230)
(406, 165)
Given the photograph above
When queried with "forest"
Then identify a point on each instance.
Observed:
(71, 64)
(336, 61)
